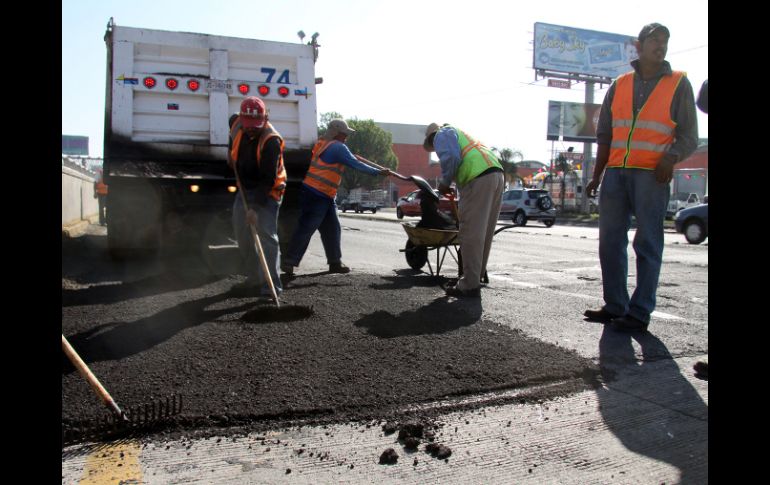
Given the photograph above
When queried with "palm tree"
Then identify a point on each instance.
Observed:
(508, 158)
(564, 166)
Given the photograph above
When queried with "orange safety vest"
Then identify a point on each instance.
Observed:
(236, 134)
(101, 187)
(642, 142)
(322, 176)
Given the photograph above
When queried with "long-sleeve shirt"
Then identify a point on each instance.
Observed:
(682, 111)
(340, 153)
(447, 147)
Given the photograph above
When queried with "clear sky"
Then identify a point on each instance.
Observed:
(468, 63)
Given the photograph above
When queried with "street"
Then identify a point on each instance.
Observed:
(646, 423)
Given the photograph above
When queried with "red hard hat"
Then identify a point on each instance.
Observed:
(253, 113)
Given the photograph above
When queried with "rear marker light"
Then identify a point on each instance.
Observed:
(195, 188)
(283, 91)
(193, 85)
(149, 82)
(243, 88)
(172, 83)
(263, 90)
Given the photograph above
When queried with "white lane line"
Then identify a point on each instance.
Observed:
(533, 286)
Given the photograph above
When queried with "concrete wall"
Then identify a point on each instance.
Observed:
(77, 196)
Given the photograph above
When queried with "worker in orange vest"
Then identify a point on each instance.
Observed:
(647, 124)
(100, 193)
(256, 153)
(329, 158)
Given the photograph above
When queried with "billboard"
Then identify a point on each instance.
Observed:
(578, 51)
(572, 121)
(74, 145)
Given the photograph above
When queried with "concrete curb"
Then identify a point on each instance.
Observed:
(78, 228)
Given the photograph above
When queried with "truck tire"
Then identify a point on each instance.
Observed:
(134, 228)
(549, 222)
(416, 256)
(374, 210)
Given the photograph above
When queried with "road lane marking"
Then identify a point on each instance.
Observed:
(533, 286)
(117, 463)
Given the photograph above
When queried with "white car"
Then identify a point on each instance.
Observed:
(521, 205)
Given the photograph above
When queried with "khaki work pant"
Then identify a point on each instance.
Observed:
(479, 209)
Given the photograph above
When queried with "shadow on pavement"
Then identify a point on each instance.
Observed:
(118, 340)
(440, 316)
(632, 406)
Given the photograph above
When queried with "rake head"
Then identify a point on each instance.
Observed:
(144, 417)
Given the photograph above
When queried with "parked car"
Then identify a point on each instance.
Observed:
(681, 200)
(693, 222)
(409, 205)
(348, 205)
(521, 205)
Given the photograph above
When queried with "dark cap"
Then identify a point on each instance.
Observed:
(650, 28)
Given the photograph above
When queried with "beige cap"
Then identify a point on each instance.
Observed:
(428, 143)
(337, 126)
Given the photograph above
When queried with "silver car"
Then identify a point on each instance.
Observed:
(521, 205)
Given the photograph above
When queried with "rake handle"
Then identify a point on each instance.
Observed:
(90, 377)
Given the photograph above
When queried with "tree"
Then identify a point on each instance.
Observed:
(508, 158)
(369, 141)
(564, 166)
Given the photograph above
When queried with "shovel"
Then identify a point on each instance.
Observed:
(284, 314)
(257, 243)
(419, 181)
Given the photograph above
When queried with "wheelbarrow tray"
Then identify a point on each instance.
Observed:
(423, 236)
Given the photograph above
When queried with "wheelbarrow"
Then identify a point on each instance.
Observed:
(422, 240)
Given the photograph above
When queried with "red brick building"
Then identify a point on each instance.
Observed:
(412, 157)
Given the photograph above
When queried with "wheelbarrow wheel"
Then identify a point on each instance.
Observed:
(416, 256)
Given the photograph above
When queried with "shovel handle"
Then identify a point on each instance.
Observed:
(257, 243)
(370, 163)
(90, 377)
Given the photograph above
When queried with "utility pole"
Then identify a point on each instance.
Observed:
(587, 156)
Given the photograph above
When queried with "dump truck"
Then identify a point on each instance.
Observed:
(169, 98)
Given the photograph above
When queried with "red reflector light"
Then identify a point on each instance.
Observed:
(149, 82)
(172, 83)
(193, 85)
(283, 91)
(263, 90)
(243, 88)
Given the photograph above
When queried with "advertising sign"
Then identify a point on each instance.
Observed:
(577, 51)
(559, 83)
(572, 121)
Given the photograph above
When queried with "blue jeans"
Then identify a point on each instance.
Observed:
(626, 192)
(318, 212)
(267, 231)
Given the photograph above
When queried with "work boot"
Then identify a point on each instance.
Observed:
(338, 268)
(287, 269)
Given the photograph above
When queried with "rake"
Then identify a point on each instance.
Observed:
(119, 420)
